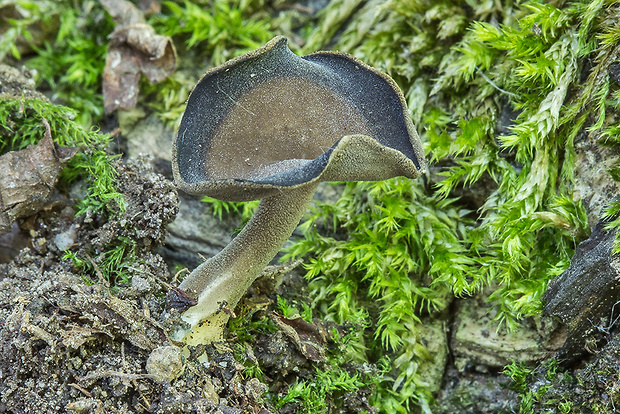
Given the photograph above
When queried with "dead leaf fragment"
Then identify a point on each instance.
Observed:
(179, 300)
(123, 12)
(309, 338)
(134, 49)
(28, 178)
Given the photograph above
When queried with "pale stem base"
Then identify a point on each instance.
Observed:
(219, 283)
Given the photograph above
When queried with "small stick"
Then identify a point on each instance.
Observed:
(81, 389)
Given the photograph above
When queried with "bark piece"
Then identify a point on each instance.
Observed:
(134, 49)
(584, 298)
(28, 178)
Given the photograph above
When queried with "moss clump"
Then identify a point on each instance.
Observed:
(498, 93)
(21, 125)
(66, 42)
(331, 385)
(221, 29)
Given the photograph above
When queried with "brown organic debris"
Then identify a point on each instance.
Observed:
(113, 317)
(28, 178)
(309, 338)
(134, 48)
(179, 300)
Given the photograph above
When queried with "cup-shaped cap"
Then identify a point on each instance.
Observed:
(271, 120)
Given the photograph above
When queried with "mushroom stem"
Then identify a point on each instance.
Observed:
(220, 282)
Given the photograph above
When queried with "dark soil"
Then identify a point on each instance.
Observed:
(74, 341)
(71, 345)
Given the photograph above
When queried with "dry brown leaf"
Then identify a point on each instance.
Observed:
(134, 48)
(28, 178)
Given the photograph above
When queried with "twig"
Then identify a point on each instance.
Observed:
(98, 271)
(176, 275)
(81, 389)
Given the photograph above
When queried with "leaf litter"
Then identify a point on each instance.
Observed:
(134, 48)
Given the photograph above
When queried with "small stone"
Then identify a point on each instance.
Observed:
(165, 363)
(254, 389)
(140, 284)
(66, 239)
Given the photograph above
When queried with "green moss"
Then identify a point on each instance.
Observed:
(391, 252)
(167, 98)
(219, 29)
(21, 125)
(289, 311)
(565, 407)
(112, 265)
(332, 379)
(463, 67)
(520, 374)
(323, 393)
(220, 208)
(535, 399)
(549, 388)
(71, 65)
(498, 92)
(402, 254)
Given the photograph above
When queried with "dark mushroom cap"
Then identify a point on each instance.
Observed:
(271, 120)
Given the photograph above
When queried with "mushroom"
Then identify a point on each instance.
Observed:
(271, 125)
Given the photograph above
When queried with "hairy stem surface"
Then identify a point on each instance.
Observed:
(221, 281)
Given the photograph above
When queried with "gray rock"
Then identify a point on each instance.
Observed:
(473, 392)
(477, 341)
(66, 239)
(165, 363)
(196, 234)
(593, 183)
(146, 134)
(436, 342)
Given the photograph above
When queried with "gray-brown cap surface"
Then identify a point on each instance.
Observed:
(271, 120)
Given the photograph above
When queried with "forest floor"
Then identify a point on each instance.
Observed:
(84, 326)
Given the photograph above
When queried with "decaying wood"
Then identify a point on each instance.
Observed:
(585, 297)
(28, 178)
